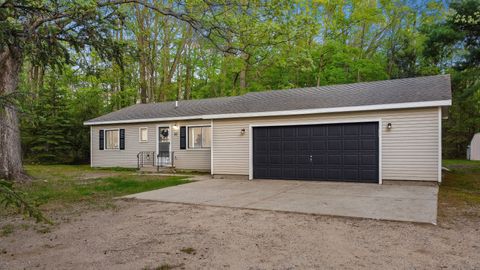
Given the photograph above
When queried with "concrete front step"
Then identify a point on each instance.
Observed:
(153, 169)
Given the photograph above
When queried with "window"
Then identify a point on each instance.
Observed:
(112, 139)
(143, 134)
(199, 137)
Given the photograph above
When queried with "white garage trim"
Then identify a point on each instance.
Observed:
(439, 144)
(211, 147)
(380, 131)
(343, 121)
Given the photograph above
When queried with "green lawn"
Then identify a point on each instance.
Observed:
(55, 186)
(461, 186)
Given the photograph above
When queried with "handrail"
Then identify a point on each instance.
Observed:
(141, 156)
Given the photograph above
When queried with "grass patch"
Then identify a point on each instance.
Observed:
(74, 190)
(7, 230)
(163, 267)
(63, 185)
(460, 162)
(188, 250)
(462, 184)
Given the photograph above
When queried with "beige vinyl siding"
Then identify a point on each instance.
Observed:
(187, 159)
(191, 159)
(122, 158)
(409, 150)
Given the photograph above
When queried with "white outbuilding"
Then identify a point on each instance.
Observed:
(473, 151)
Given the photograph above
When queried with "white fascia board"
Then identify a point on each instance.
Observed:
(145, 120)
(336, 109)
(392, 106)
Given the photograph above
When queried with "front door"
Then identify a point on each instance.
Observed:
(163, 148)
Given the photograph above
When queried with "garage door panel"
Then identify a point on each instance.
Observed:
(336, 152)
(275, 159)
(335, 159)
(303, 146)
(261, 160)
(350, 173)
(368, 144)
(319, 131)
(275, 146)
(261, 172)
(319, 159)
(318, 145)
(351, 130)
(350, 144)
(275, 133)
(368, 159)
(289, 133)
(303, 132)
(261, 134)
(289, 159)
(319, 173)
(275, 172)
(260, 147)
(289, 146)
(334, 174)
(304, 173)
(303, 159)
(350, 159)
(334, 130)
(289, 173)
(335, 144)
(368, 175)
(369, 129)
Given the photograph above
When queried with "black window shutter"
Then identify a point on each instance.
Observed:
(101, 139)
(122, 139)
(183, 137)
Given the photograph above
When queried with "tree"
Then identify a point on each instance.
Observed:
(454, 44)
(40, 30)
(46, 32)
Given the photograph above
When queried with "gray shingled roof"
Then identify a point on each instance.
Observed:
(420, 89)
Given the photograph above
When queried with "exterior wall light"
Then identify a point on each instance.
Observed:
(242, 131)
(175, 129)
(389, 126)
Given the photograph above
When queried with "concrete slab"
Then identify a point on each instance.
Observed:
(388, 202)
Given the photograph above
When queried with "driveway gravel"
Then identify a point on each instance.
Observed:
(146, 235)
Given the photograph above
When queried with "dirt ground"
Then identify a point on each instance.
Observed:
(154, 235)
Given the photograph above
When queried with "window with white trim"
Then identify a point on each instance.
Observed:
(143, 134)
(112, 139)
(199, 137)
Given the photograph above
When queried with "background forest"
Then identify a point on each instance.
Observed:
(279, 45)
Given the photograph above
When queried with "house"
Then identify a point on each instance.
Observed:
(360, 132)
(473, 150)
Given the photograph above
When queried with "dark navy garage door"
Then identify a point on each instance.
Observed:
(331, 152)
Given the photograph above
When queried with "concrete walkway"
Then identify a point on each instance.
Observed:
(388, 202)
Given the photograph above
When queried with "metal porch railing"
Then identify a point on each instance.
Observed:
(145, 158)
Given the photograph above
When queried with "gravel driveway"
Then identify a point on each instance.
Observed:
(146, 235)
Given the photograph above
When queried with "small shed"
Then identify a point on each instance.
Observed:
(473, 151)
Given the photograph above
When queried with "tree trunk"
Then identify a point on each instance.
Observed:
(188, 74)
(11, 166)
(243, 72)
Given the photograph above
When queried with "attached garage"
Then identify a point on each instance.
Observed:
(326, 152)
